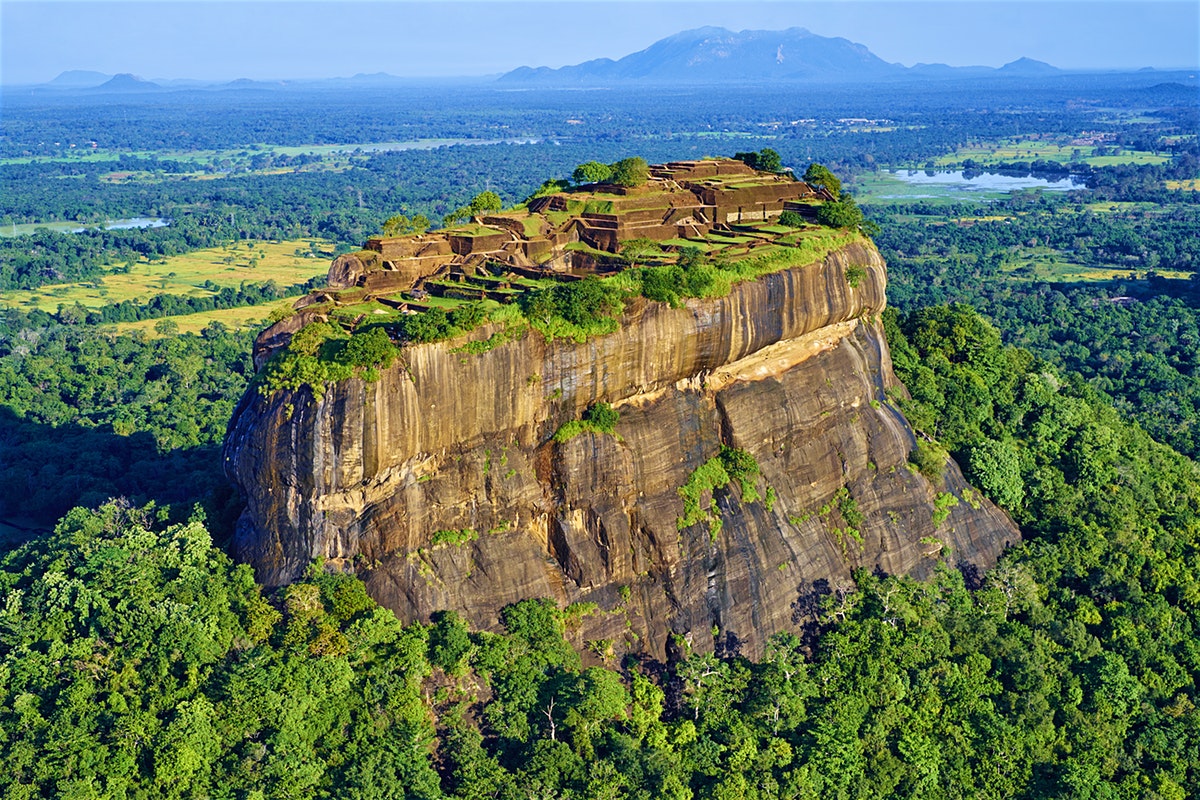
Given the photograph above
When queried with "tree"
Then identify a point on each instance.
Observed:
(637, 250)
(485, 201)
(769, 160)
(845, 213)
(592, 172)
(449, 642)
(819, 175)
(368, 348)
(791, 219)
(995, 467)
(630, 172)
(400, 224)
(166, 327)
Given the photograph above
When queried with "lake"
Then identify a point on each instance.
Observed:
(127, 224)
(75, 227)
(943, 183)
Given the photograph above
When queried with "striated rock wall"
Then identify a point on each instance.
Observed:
(792, 368)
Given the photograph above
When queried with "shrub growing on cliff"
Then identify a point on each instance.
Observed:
(322, 353)
(691, 276)
(731, 464)
(854, 275)
(309, 360)
(428, 326)
(930, 459)
(587, 307)
(599, 418)
(663, 284)
(368, 348)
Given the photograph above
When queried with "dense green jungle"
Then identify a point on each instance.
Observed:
(1049, 340)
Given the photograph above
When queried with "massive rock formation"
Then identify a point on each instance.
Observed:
(441, 486)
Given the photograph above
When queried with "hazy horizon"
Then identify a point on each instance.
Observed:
(287, 40)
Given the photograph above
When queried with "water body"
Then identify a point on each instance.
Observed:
(74, 227)
(947, 183)
(128, 224)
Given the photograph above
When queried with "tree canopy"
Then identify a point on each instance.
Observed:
(630, 172)
(819, 175)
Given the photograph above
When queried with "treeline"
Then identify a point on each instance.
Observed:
(1067, 671)
(172, 305)
(1125, 182)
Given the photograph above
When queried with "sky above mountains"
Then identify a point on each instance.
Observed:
(285, 39)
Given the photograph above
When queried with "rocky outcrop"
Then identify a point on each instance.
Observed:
(441, 485)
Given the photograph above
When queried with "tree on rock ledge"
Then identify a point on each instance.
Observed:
(819, 175)
(630, 172)
(592, 172)
(766, 160)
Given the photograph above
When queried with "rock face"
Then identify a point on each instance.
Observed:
(441, 486)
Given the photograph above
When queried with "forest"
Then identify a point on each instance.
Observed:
(1048, 343)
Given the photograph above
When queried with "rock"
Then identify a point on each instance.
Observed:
(791, 368)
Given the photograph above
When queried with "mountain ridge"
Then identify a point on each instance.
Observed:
(715, 55)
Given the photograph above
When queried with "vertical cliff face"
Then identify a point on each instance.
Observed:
(441, 485)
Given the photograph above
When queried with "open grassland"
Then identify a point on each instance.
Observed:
(1122, 207)
(1045, 264)
(286, 263)
(234, 318)
(1023, 150)
(1192, 185)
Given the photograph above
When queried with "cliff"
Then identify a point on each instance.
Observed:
(440, 484)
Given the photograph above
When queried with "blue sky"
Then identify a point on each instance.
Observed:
(288, 39)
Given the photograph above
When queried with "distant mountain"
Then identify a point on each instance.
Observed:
(707, 55)
(79, 79)
(125, 83)
(716, 55)
(1028, 66)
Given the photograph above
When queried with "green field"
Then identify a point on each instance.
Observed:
(1045, 264)
(1192, 185)
(285, 263)
(1026, 150)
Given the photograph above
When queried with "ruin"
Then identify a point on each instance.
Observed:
(682, 200)
(720, 205)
